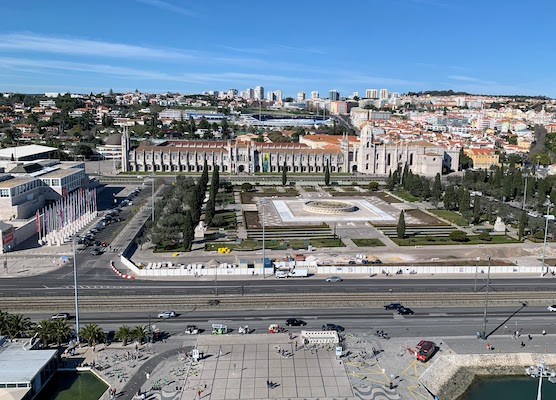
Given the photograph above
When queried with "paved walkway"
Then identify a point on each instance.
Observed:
(140, 382)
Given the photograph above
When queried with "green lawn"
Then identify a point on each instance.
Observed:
(402, 194)
(310, 189)
(440, 240)
(251, 244)
(451, 216)
(368, 242)
(229, 217)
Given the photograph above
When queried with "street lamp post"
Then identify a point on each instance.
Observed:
(484, 336)
(264, 237)
(216, 281)
(524, 193)
(75, 289)
(548, 217)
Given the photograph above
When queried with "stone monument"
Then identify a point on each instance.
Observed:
(200, 230)
(499, 226)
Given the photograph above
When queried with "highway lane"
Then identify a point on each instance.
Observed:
(426, 322)
(96, 278)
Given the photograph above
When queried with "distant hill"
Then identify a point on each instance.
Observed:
(452, 93)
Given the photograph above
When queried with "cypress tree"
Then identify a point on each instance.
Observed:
(214, 183)
(476, 209)
(210, 211)
(327, 174)
(284, 174)
(400, 229)
(436, 194)
(450, 198)
(464, 201)
(188, 231)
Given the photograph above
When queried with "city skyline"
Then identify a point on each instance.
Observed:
(169, 45)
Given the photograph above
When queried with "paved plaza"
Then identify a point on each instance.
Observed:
(237, 366)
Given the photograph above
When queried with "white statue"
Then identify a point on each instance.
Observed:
(499, 226)
(200, 230)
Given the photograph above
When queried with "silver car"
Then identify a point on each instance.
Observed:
(334, 279)
(167, 314)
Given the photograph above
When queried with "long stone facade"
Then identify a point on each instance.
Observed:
(232, 156)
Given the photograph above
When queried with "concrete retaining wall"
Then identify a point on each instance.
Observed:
(450, 375)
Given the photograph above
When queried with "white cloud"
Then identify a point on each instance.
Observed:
(134, 73)
(167, 6)
(465, 78)
(85, 47)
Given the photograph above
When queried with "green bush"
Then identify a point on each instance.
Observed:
(246, 187)
(458, 236)
(218, 221)
(485, 236)
(429, 238)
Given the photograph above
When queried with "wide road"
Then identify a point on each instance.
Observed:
(96, 278)
(425, 322)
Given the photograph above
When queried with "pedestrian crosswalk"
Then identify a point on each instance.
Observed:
(84, 287)
(89, 249)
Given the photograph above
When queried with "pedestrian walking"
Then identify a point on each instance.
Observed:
(530, 337)
(522, 344)
(199, 393)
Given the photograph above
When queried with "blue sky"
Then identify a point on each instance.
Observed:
(478, 46)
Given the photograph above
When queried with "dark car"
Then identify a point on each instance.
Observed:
(332, 327)
(392, 306)
(295, 322)
(96, 252)
(405, 311)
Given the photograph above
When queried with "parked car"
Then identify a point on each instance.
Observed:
(405, 311)
(332, 327)
(392, 306)
(425, 350)
(61, 316)
(167, 314)
(295, 322)
(334, 279)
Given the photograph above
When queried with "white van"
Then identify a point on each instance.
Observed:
(281, 274)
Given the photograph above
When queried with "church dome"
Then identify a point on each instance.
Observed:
(114, 140)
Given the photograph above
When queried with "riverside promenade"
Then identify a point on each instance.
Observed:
(238, 366)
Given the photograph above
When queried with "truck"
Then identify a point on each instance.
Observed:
(298, 273)
(295, 273)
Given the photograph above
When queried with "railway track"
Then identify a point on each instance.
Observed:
(285, 300)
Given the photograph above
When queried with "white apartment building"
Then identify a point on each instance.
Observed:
(258, 93)
(300, 97)
(371, 94)
(383, 94)
(314, 95)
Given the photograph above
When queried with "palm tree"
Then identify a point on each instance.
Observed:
(139, 333)
(92, 333)
(61, 331)
(18, 326)
(124, 333)
(43, 330)
(3, 322)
